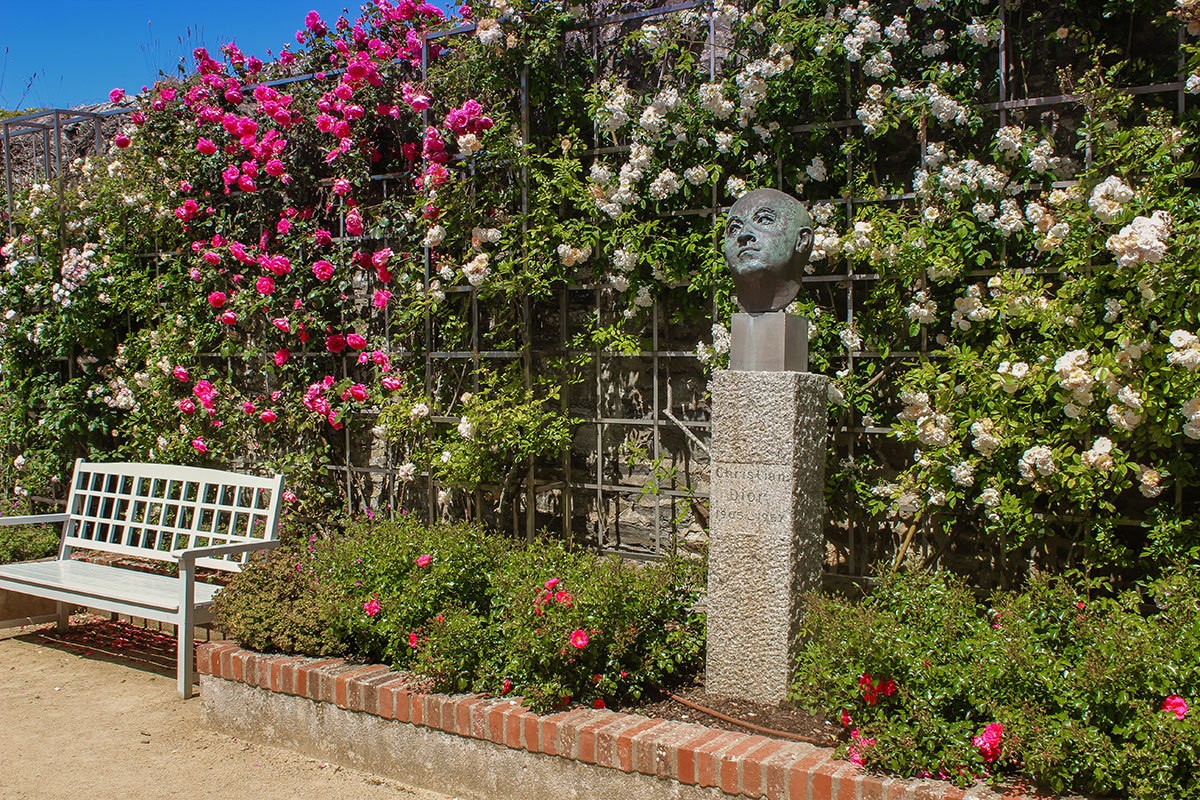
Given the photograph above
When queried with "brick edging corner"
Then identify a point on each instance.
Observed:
(742, 764)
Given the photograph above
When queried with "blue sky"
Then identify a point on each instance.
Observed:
(71, 52)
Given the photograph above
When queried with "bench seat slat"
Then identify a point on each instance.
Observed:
(99, 582)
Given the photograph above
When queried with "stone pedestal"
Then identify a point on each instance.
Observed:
(766, 543)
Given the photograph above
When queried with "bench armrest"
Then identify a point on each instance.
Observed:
(34, 519)
(190, 555)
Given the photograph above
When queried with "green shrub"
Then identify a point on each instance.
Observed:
(1062, 684)
(474, 611)
(27, 542)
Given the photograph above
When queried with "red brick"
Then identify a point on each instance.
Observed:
(871, 787)
(549, 729)
(778, 769)
(585, 746)
(953, 793)
(402, 703)
(262, 670)
(478, 720)
(328, 680)
(753, 779)
(344, 688)
(729, 766)
(821, 779)
(416, 705)
(385, 696)
(687, 755)
(275, 673)
(308, 681)
(495, 721)
(450, 711)
(367, 697)
(209, 661)
(533, 726)
(708, 757)
(514, 726)
(801, 774)
(468, 715)
(624, 744)
(236, 666)
(929, 791)
(846, 783)
(569, 725)
(227, 663)
(661, 759)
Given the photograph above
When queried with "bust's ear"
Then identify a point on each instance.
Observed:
(804, 243)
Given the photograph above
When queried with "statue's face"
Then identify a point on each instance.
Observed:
(760, 235)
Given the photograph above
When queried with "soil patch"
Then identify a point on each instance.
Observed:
(783, 718)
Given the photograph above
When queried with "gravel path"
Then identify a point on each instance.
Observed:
(95, 717)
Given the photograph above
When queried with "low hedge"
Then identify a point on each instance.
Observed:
(1064, 683)
(473, 611)
(27, 542)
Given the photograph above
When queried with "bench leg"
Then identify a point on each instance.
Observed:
(186, 659)
(64, 615)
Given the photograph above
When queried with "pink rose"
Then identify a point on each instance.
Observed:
(358, 392)
(116, 95)
(228, 318)
(264, 285)
(267, 416)
(248, 407)
(424, 560)
(281, 356)
(181, 374)
(550, 584)
(122, 141)
(205, 146)
(335, 343)
(372, 607)
(392, 383)
(217, 299)
(579, 639)
(1176, 705)
(988, 742)
(199, 445)
(412, 640)
(282, 324)
(323, 270)
(187, 406)
(356, 341)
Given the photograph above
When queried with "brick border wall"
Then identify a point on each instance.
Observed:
(742, 764)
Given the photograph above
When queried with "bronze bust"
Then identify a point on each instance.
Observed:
(768, 239)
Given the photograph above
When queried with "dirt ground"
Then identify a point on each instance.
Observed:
(95, 715)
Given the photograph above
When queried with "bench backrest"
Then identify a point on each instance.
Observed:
(150, 510)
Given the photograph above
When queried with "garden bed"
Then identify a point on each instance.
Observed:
(480, 746)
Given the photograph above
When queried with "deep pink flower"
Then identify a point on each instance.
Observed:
(354, 223)
(358, 392)
(181, 374)
(988, 742)
(323, 270)
(229, 318)
(282, 324)
(372, 607)
(859, 745)
(122, 141)
(274, 167)
(392, 383)
(381, 298)
(563, 597)
(341, 186)
(335, 343)
(357, 341)
(289, 496)
(506, 686)
(187, 406)
(264, 285)
(116, 95)
(412, 640)
(281, 356)
(199, 445)
(267, 416)
(424, 560)
(248, 407)
(205, 146)
(550, 584)
(579, 639)
(1176, 705)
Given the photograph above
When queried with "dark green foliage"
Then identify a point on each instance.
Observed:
(27, 542)
(474, 611)
(1076, 675)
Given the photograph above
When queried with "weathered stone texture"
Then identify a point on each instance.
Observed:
(765, 544)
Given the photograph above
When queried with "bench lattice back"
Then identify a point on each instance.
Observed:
(150, 510)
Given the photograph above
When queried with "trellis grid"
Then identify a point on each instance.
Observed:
(648, 509)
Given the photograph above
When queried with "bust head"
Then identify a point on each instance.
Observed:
(768, 238)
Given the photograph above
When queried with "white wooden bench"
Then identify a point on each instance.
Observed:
(186, 515)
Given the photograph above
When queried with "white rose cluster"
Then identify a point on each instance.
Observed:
(970, 309)
(1037, 461)
(1187, 350)
(1099, 456)
(1143, 241)
(1073, 375)
(1109, 198)
(1191, 412)
(985, 437)
(571, 256)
